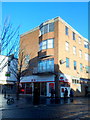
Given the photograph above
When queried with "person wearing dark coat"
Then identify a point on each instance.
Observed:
(66, 93)
(71, 93)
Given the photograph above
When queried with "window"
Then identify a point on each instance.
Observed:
(40, 46)
(50, 43)
(27, 59)
(81, 67)
(75, 65)
(86, 56)
(50, 64)
(67, 62)
(42, 30)
(46, 28)
(75, 81)
(51, 27)
(66, 30)
(73, 35)
(46, 65)
(80, 53)
(74, 50)
(80, 41)
(87, 69)
(45, 44)
(67, 46)
(86, 45)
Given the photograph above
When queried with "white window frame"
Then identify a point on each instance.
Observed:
(74, 50)
(80, 53)
(86, 56)
(67, 46)
(50, 43)
(80, 40)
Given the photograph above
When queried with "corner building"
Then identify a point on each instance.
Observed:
(55, 48)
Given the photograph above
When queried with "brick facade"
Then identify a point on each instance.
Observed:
(31, 40)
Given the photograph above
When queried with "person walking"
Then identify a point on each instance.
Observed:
(71, 93)
(86, 91)
(65, 93)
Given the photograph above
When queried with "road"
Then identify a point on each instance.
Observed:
(79, 109)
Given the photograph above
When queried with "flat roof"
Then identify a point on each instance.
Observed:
(53, 20)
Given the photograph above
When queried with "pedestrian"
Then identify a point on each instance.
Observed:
(65, 93)
(71, 93)
(4, 93)
(86, 90)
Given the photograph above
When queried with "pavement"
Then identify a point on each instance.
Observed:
(24, 109)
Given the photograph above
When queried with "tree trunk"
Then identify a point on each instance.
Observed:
(17, 91)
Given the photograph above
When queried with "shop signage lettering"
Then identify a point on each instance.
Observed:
(33, 80)
(63, 78)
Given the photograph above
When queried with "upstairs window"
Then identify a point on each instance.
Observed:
(66, 30)
(87, 69)
(47, 28)
(40, 46)
(86, 44)
(67, 46)
(81, 67)
(86, 56)
(50, 43)
(45, 44)
(73, 35)
(75, 65)
(46, 65)
(80, 53)
(51, 27)
(74, 50)
(67, 62)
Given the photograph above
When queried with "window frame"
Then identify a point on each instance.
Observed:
(67, 62)
(81, 67)
(66, 30)
(73, 35)
(75, 65)
(67, 46)
(74, 50)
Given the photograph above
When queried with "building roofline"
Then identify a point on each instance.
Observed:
(60, 19)
(32, 30)
(53, 20)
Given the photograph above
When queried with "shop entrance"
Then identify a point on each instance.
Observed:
(62, 90)
(37, 88)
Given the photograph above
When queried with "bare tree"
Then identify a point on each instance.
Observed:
(10, 47)
(16, 69)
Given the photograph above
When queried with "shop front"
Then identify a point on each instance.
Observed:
(64, 83)
(43, 83)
